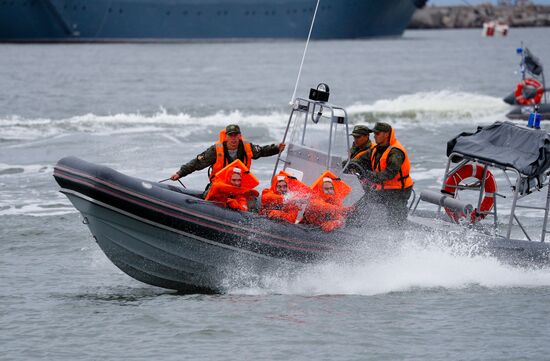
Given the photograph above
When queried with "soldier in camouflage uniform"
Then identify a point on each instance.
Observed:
(387, 168)
(233, 148)
(361, 140)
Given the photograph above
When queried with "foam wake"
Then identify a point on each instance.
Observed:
(21, 129)
(425, 108)
(414, 267)
(432, 108)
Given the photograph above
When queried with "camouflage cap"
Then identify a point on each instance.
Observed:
(382, 127)
(360, 130)
(232, 128)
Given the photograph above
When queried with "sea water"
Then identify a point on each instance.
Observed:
(146, 109)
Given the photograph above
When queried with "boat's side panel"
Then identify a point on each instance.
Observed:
(523, 112)
(519, 252)
(194, 216)
(136, 20)
(515, 251)
(161, 257)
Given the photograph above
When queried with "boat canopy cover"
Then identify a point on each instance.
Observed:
(506, 144)
(533, 64)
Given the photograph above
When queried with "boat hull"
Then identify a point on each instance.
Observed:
(176, 20)
(522, 113)
(477, 243)
(164, 237)
(167, 258)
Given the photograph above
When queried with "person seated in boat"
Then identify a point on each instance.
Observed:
(387, 173)
(286, 197)
(233, 187)
(230, 147)
(361, 141)
(326, 208)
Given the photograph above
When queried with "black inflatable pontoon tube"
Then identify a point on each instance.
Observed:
(446, 201)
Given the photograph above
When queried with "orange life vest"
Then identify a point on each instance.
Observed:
(358, 155)
(403, 179)
(221, 160)
(226, 194)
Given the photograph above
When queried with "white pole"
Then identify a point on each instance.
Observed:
(304, 55)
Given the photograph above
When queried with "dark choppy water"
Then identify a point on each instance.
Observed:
(144, 109)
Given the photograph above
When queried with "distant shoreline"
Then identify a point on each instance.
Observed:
(463, 17)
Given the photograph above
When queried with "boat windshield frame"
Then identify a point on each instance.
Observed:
(308, 110)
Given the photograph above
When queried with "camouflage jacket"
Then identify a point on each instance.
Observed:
(356, 150)
(393, 164)
(208, 157)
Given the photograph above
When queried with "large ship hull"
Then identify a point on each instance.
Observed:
(176, 20)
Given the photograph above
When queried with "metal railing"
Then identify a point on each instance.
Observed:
(518, 192)
(313, 111)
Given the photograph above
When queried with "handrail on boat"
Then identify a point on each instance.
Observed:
(315, 109)
(518, 189)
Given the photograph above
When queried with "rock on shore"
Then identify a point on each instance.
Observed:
(454, 17)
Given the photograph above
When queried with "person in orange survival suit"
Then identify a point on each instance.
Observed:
(233, 187)
(285, 198)
(326, 208)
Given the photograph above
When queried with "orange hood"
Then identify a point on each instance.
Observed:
(341, 188)
(294, 185)
(392, 136)
(249, 181)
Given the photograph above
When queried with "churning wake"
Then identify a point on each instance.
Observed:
(424, 263)
(429, 108)
(433, 108)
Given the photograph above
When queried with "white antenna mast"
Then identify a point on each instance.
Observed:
(305, 52)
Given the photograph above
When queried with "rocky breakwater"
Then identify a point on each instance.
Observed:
(455, 17)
